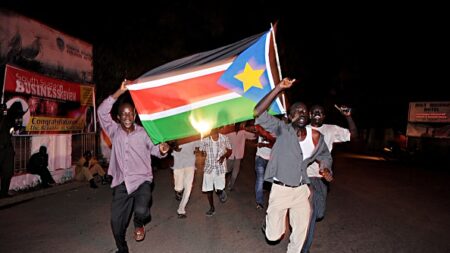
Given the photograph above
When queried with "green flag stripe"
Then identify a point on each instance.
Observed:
(178, 126)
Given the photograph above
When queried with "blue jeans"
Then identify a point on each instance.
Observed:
(318, 199)
(260, 168)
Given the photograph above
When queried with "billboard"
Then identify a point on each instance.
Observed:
(51, 105)
(429, 119)
(31, 45)
(438, 112)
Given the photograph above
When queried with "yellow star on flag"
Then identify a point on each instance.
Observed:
(250, 77)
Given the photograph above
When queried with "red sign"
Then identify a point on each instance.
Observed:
(51, 105)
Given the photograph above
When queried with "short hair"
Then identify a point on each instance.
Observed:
(316, 106)
(295, 106)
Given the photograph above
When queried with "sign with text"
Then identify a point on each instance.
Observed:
(437, 112)
(51, 105)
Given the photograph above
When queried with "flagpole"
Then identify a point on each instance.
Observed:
(3, 88)
(283, 99)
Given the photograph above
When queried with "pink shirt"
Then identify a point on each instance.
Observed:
(237, 140)
(130, 155)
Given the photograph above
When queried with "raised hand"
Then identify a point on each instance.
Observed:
(286, 83)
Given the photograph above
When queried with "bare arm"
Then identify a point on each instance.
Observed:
(352, 127)
(265, 102)
(225, 156)
(347, 112)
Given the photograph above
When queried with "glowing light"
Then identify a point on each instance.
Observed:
(202, 125)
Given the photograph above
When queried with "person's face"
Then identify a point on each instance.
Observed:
(126, 117)
(214, 133)
(33, 104)
(299, 115)
(51, 108)
(317, 116)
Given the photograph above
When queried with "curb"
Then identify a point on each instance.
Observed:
(21, 197)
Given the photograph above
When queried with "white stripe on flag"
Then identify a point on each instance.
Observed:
(189, 107)
(179, 78)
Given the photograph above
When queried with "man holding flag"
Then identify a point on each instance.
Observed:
(130, 167)
(295, 148)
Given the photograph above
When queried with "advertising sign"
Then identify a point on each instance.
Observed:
(51, 105)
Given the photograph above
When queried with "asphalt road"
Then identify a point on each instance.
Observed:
(373, 206)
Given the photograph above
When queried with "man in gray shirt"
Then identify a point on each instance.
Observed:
(296, 147)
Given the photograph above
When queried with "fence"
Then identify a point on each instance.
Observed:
(82, 143)
(22, 148)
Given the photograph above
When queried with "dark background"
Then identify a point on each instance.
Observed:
(375, 58)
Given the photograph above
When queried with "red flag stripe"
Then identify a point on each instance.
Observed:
(178, 94)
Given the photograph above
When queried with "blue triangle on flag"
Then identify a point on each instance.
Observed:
(256, 56)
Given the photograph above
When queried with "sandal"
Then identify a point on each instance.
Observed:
(139, 234)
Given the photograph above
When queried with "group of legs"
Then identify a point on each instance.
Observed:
(183, 181)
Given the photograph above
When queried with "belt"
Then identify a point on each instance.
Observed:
(283, 184)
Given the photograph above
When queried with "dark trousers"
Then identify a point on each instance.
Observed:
(122, 208)
(6, 169)
(45, 175)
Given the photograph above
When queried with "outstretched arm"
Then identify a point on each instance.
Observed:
(264, 104)
(347, 112)
(352, 127)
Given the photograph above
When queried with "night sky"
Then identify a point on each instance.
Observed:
(374, 58)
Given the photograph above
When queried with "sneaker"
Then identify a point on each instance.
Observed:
(223, 197)
(182, 216)
(259, 207)
(210, 212)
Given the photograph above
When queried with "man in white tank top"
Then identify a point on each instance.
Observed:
(319, 189)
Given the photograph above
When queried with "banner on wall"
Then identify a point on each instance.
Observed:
(51, 105)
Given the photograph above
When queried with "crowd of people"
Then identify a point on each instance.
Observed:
(293, 156)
